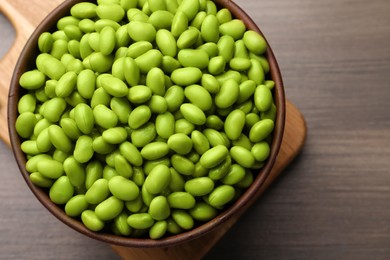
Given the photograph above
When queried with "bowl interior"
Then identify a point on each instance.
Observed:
(27, 61)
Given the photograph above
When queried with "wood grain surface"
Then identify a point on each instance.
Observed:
(332, 202)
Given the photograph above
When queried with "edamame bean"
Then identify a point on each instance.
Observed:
(29, 147)
(122, 108)
(209, 29)
(198, 96)
(31, 80)
(139, 94)
(25, 124)
(220, 170)
(107, 40)
(27, 103)
(66, 84)
(234, 28)
(76, 205)
(139, 116)
(215, 138)
(140, 220)
(91, 221)
(141, 31)
(177, 181)
(217, 65)
(240, 64)
(203, 212)
(263, 98)
(199, 186)
(132, 74)
(121, 225)
(261, 130)
(188, 38)
(61, 191)
(83, 151)
(235, 174)
(105, 117)
(43, 141)
(155, 80)
(158, 230)
(174, 97)
(234, 124)
(255, 42)
(59, 139)
(83, 10)
(198, 19)
(158, 104)
(210, 83)
(100, 146)
(110, 11)
(183, 219)
(214, 156)
(83, 116)
(179, 23)
(182, 165)
(75, 171)
(115, 135)
(180, 143)
(226, 47)
(98, 192)
(228, 94)
(45, 42)
(158, 179)
(134, 205)
(50, 168)
(161, 19)
(193, 114)
(159, 208)
(143, 135)
(242, 156)
(261, 151)
(149, 60)
(155, 150)
(123, 188)
(193, 58)
(99, 62)
(214, 122)
(109, 208)
(256, 72)
(123, 167)
(165, 125)
(53, 109)
(39, 180)
(114, 86)
(93, 172)
(181, 200)
(221, 196)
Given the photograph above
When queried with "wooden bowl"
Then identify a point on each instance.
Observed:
(27, 61)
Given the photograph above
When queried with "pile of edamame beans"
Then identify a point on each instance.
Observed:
(146, 118)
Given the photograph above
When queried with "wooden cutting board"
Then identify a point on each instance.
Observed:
(25, 17)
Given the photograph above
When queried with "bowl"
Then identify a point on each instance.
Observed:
(26, 61)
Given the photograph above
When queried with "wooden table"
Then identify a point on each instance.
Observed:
(333, 201)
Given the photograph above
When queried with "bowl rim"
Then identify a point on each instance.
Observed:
(27, 60)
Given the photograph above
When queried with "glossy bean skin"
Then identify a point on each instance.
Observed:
(61, 191)
(199, 186)
(228, 94)
(76, 205)
(159, 208)
(261, 130)
(203, 212)
(91, 221)
(158, 179)
(214, 156)
(123, 188)
(221, 196)
(234, 124)
(181, 200)
(109, 208)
